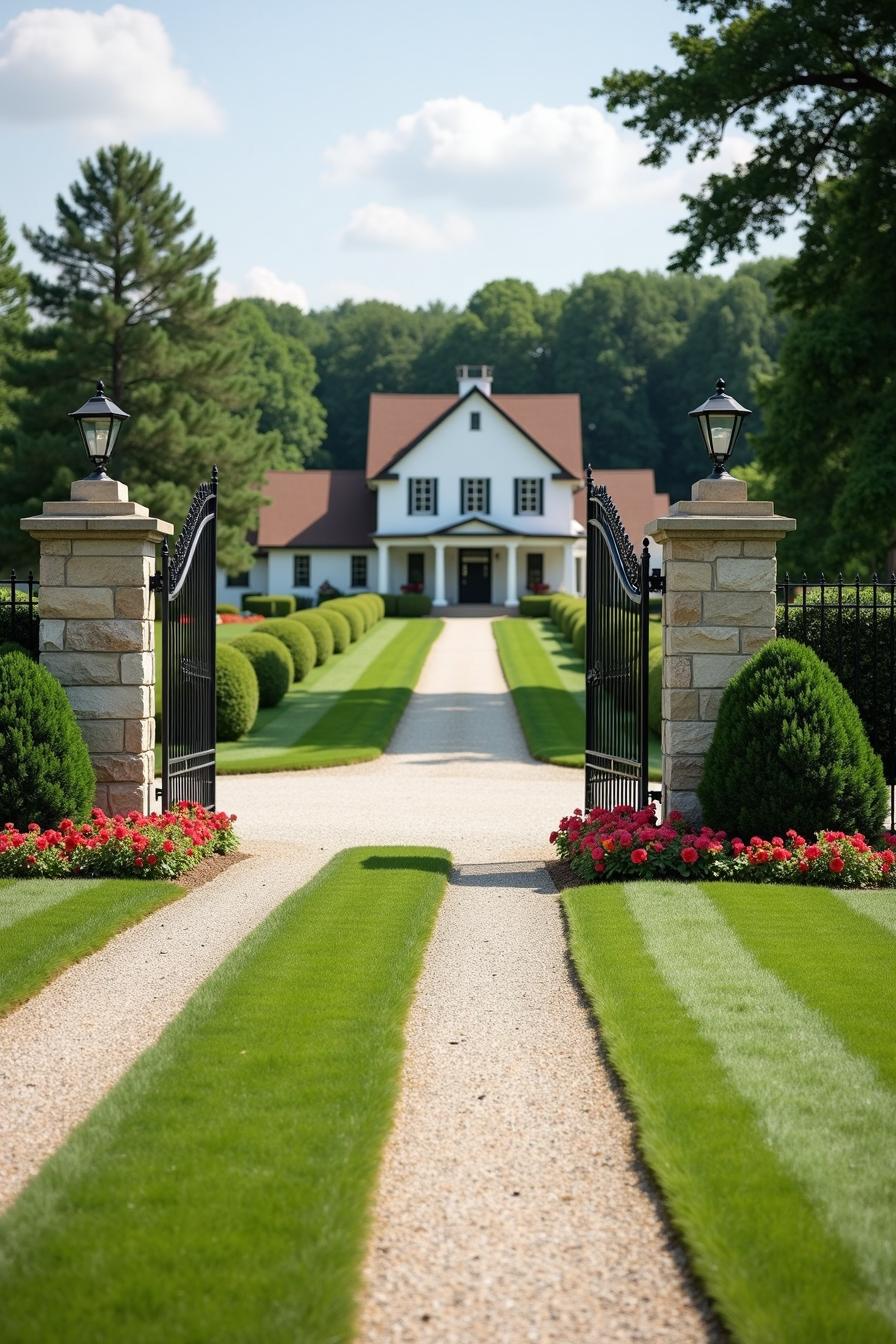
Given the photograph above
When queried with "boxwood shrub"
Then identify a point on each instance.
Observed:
(339, 626)
(297, 639)
(227, 609)
(236, 693)
(46, 772)
(413, 604)
(277, 604)
(352, 613)
(390, 603)
(535, 604)
(320, 631)
(272, 663)
(789, 750)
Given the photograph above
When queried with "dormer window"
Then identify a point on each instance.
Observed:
(474, 494)
(422, 495)
(475, 419)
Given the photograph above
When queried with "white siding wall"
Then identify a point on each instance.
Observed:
(497, 451)
(258, 583)
(275, 574)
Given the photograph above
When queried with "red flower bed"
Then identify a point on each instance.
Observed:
(163, 845)
(539, 588)
(230, 618)
(412, 587)
(623, 844)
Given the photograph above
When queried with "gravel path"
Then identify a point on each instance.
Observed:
(510, 1207)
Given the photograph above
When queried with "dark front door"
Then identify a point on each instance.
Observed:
(475, 576)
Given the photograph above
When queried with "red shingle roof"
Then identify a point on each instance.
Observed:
(633, 491)
(398, 418)
(317, 508)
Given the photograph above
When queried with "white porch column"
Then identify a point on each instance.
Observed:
(439, 598)
(512, 598)
(382, 571)
(569, 569)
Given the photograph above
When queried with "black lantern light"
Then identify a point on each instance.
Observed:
(99, 421)
(720, 419)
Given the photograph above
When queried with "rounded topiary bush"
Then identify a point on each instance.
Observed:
(236, 693)
(577, 630)
(789, 750)
(272, 663)
(320, 631)
(352, 614)
(339, 626)
(45, 770)
(297, 639)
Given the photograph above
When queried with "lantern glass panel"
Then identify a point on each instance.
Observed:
(721, 431)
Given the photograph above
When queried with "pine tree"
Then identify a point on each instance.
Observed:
(13, 321)
(130, 298)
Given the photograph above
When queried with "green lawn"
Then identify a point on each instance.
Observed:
(47, 923)
(753, 1031)
(547, 682)
(221, 1191)
(344, 711)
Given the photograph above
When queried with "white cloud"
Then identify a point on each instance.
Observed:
(261, 283)
(107, 74)
(359, 292)
(391, 228)
(462, 149)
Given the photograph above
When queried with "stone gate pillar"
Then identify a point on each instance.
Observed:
(97, 551)
(719, 562)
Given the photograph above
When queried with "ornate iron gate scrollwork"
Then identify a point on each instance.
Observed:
(186, 584)
(618, 585)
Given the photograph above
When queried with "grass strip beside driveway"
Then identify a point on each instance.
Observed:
(221, 1191)
(770, 1136)
(346, 715)
(48, 923)
(552, 720)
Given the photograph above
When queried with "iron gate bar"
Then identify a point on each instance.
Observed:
(24, 622)
(186, 584)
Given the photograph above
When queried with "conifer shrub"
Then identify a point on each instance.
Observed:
(789, 750)
(352, 613)
(272, 605)
(45, 770)
(236, 693)
(535, 604)
(272, 663)
(342, 631)
(297, 639)
(413, 604)
(320, 631)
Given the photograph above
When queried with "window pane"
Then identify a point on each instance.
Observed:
(359, 571)
(423, 495)
(534, 568)
(474, 495)
(528, 496)
(301, 571)
(238, 580)
(415, 566)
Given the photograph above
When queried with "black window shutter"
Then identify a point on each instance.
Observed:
(462, 501)
(435, 496)
(541, 494)
(516, 494)
(410, 495)
(488, 497)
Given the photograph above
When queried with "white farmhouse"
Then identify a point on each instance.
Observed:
(469, 497)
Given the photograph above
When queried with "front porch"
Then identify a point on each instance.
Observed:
(483, 568)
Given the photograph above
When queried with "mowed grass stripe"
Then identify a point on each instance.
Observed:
(19, 899)
(81, 919)
(824, 1109)
(221, 1190)
(285, 724)
(834, 958)
(552, 720)
(360, 722)
(774, 1270)
(879, 906)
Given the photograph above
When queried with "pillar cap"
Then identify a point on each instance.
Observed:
(123, 527)
(741, 524)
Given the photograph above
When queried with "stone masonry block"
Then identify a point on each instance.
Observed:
(93, 571)
(704, 639)
(685, 772)
(681, 704)
(52, 571)
(108, 636)
(52, 636)
(139, 735)
(709, 704)
(753, 638)
(55, 548)
(714, 671)
(692, 548)
(687, 737)
(126, 797)
(741, 576)
(676, 672)
(101, 798)
(682, 609)
(133, 602)
(686, 802)
(85, 604)
(760, 550)
(138, 669)
(739, 608)
(84, 669)
(104, 546)
(104, 735)
(109, 702)
(112, 768)
(690, 575)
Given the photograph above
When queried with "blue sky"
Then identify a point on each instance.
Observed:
(353, 149)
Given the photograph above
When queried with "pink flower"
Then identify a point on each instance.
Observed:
(689, 854)
(639, 856)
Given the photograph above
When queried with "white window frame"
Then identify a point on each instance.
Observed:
(305, 583)
(423, 492)
(528, 495)
(354, 560)
(474, 494)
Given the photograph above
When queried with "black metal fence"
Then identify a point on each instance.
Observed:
(851, 624)
(186, 585)
(19, 620)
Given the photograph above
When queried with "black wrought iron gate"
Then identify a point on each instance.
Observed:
(186, 586)
(617, 591)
